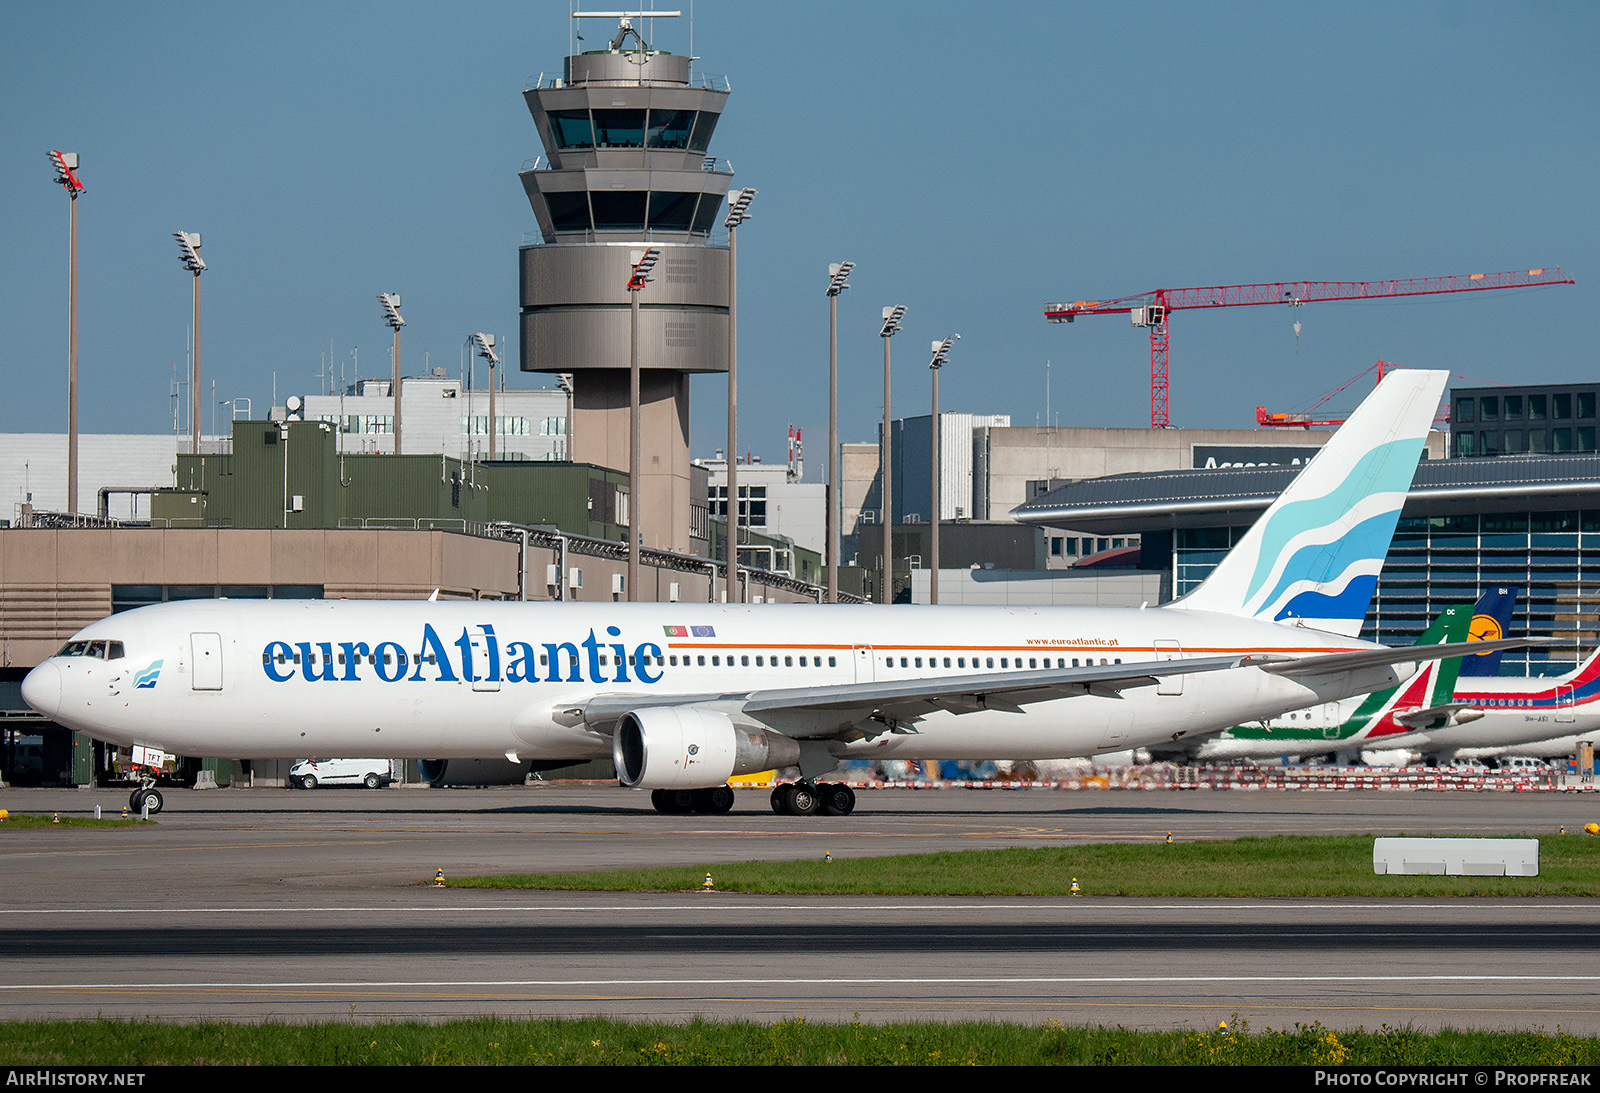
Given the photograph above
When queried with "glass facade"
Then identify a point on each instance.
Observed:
(582, 129)
(125, 597)
(1551, 558)
(633, 211)
(1493, 421)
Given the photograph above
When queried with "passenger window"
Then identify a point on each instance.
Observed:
(744, 662)
(832, 662)
(788, 662)
(989, 661)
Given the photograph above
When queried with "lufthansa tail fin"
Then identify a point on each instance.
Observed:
(1490, 619)
(1314, 556)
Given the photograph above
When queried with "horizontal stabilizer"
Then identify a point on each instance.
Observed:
(1437, 717)
(1330, 663)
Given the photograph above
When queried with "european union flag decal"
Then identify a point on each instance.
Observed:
(702, 632)
(147, 678)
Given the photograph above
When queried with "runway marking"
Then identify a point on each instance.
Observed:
(711, 902)
(916, 981)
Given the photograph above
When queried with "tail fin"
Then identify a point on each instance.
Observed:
(1490, 619)
(1438, 677)
(1315, 554)
(1454, 624)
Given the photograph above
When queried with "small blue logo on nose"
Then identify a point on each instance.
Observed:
(147, 678)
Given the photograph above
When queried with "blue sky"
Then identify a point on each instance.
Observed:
(974, 160)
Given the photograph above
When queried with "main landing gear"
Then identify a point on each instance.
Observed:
(679, 802)
(808, 799)
(145, 797)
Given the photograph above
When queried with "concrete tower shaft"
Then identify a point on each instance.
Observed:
(626, 134)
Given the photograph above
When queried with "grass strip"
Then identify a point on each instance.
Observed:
(1276, 866)
(34, 819)
(601, 1042)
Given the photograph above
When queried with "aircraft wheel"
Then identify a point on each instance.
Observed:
(836, 799)
(779, 793)
(672, 802)
(802, 799)
(136, 799)
(714, 801)
(147, 799)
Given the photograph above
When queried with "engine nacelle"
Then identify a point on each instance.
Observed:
(685, 747)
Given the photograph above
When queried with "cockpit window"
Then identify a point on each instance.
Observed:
(101, 650)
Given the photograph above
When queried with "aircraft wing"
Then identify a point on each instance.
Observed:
(907, 699)
(1329, 663)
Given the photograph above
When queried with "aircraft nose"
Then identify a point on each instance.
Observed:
(41, 689)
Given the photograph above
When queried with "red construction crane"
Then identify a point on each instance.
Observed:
(1304, 419)
(1151, 308)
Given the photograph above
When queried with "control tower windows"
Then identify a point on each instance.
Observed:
(619, 128)
(670, 128)
(572, 128)
(671, 211)
(705, 218)
(569, 212)
(618, 210)
(704, 124)
(681, 129)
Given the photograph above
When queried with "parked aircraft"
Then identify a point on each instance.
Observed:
(683, 696)
(1517, 712)
(1344, 727)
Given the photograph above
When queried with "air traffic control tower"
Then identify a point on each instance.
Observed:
(626, 132)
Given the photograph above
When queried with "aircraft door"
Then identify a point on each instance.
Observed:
(1565, 700)
(206, 653)
(1167, 649)
(865, 670)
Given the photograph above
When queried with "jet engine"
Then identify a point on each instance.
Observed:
(685, 747)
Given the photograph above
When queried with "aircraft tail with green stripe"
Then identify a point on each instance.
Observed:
(1423, 701)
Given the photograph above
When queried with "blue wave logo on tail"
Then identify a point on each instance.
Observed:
(1315, 555)
(147, 678)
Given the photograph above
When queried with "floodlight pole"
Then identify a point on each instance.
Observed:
(838, 274)
(891, 327)
(738, 213)
(391, 313)
(483, 346)
(189, 255)
(941, 353)
(66, 165)
(637, 279)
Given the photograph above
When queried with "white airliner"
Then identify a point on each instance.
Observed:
(683, 696)
(1517, 715)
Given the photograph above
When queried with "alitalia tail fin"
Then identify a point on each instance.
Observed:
(1314, 556)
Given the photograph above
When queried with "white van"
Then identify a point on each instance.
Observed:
(311, 773)
(1521, 764)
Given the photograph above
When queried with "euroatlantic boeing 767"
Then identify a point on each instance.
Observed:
(684, 696)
